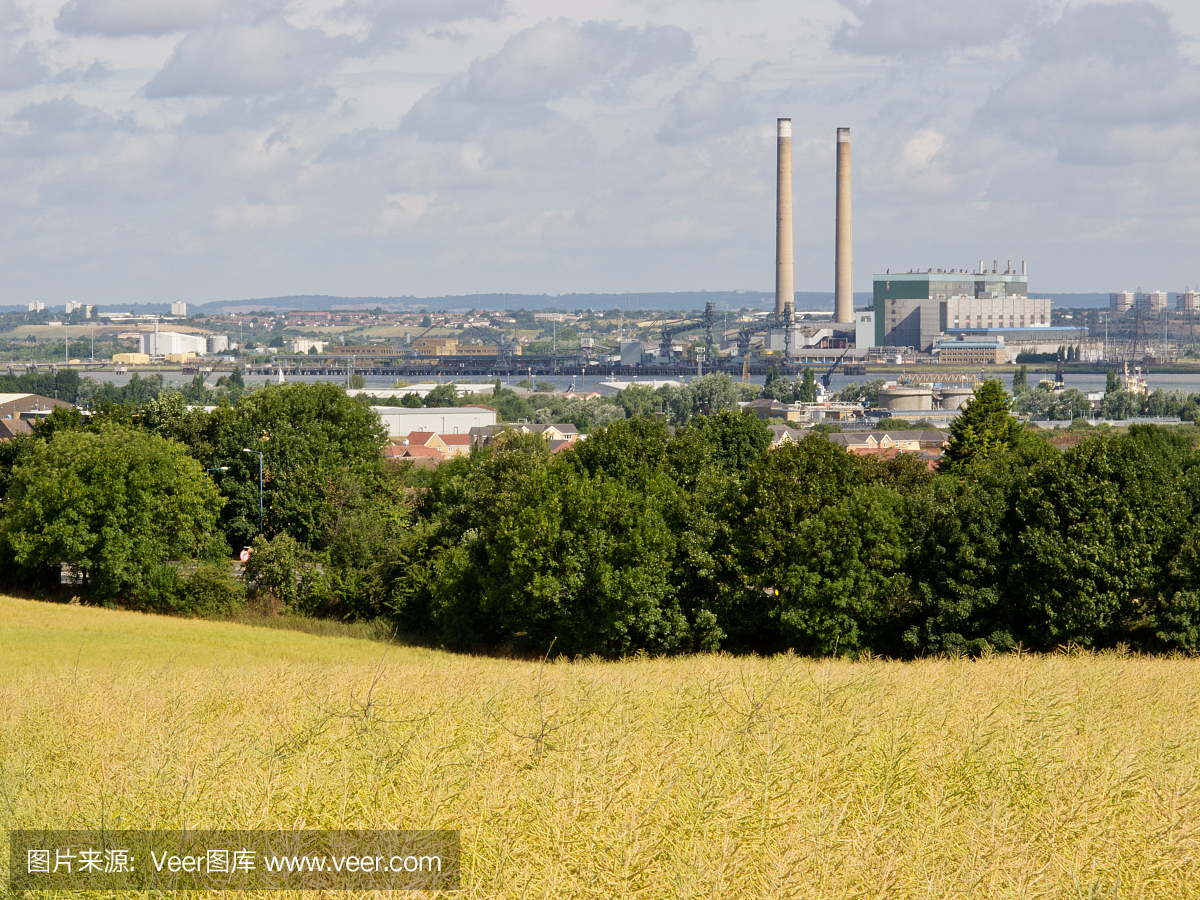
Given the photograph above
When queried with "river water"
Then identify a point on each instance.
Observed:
(1168, 381)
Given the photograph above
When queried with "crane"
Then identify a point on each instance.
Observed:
(783, 322)
(707, 319)
(828, 376)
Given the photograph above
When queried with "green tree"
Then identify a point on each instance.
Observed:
(637, 400)
(116, 504)
(357, 381)
(317, 444)
(1020, 381)
(1094, 532)
(847, 580)
(806, 391)
(984, 428)
(1111, 385)
(777, 387)
(442, 396)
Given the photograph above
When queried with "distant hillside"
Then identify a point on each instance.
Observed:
(731, 300)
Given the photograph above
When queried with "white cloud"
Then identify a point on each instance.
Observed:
(708, 106)
(511, 88)
(433, 146)
(21, 65)
(917, 28)
(118, 18)
(237, 60)
(1092, 77)
(404, 211)
(246, 216)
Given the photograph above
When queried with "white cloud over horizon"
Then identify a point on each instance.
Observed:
(208, 150)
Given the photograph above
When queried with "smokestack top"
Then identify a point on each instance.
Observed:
(785, 128)
(843, 135)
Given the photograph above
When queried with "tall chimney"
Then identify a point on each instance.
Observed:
(785, 285)
(843, 282)
(1024, 270)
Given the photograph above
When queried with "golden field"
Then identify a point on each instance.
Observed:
(1016, 776)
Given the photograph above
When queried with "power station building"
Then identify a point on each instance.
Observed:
(914, 309)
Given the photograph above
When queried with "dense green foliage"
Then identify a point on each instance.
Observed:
(704, 539)
(115, 504)
(674, 527)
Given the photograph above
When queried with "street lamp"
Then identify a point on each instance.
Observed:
(260, 485)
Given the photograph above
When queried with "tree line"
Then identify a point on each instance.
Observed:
(645, 536)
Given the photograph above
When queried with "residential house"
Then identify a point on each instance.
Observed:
(926, 444)
(783, 434)
(561, 433)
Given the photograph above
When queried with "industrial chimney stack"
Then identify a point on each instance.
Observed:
(843, 285)
(785, 286)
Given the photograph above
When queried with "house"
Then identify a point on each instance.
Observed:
(766, 408)
(20, 412)
(456, 444)
(889, 443)
(11, 428)
(563, 433)
(426, 439)
(783, 434)
(590, 395)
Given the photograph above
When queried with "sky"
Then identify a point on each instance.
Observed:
(213, 150)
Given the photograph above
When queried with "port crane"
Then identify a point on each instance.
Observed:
(706, 320)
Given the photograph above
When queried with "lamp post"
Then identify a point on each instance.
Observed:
(260, 486)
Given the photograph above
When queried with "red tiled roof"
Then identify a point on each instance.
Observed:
(431, 452)
(450, 440)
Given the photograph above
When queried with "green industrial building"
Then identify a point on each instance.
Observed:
(910, 307)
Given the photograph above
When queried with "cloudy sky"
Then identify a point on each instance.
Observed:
(221, 149)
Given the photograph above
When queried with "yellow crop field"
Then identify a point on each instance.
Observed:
(709, 776)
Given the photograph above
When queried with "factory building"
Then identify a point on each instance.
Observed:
(1020, 340)
(974, 353)
(304, 345)
(913, 309)
(171, 343)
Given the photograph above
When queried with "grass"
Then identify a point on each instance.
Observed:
(1017, 776)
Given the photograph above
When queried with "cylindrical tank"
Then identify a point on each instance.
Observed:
(217, 343)
(905, 397)
(956, 397)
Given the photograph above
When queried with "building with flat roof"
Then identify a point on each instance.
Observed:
(912, 309)
(400, 421)
(1150, 301)
(1120, 301)
(1022, 340)
(974, 353)
(164, 343)
(1188, 301)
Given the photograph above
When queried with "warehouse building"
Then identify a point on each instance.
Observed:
(169, 343)
(400, 421)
